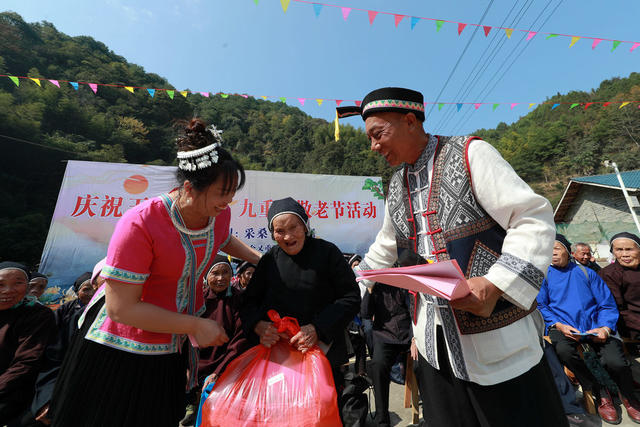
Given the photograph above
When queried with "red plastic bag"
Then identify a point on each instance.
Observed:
(277, 386)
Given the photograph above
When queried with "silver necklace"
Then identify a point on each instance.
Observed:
(182, 228)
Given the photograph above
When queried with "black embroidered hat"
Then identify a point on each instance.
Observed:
(396, 99)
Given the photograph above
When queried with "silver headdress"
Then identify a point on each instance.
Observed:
(202, 157)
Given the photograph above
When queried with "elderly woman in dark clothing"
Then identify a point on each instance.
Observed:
(302, 277)
(26, 328)
(37, 284)
(243, 276)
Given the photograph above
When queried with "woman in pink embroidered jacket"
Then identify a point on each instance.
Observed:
(124, 367)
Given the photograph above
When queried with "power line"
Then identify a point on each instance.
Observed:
(12, 138)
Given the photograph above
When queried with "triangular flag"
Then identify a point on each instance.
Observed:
(15, 80)
(508, 32)
(94, 87)
(317, 8)
(55, 82)
(358, 103)
(551, 35)
(256, 2)
(486, 29)
(624, 104)
(574, 40)
(224, 95)
(635, 45)
(338, 102)
(606, 104)
(459, 106)
(372, 16)
(554, 106)
(264, 97)
(587, 105)
(495, 106)
(513, 105)
(183, 93)
(596, 42)
(245, 96)
(283, 99)
(345, 12)
(573, 106)
(36, 81)
(336, 132)
(285, 5)
(439, 25)
(170, 93)
(205, 94)
(301, 101)
(319, 101)
(616, 43)
(440, 105)
(461, 27)
(532, 104)
(129, 88)
(152, 92)
(397, 19)
(74, 85)
(476, 106)
(414, 21)
(530, 35)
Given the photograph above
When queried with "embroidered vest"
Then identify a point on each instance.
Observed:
(457, 226)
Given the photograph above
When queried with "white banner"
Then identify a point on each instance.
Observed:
(345, 210)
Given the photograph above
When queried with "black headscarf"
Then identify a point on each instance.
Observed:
(564, 242)
(9, 265)
(80, 280)
(35, 275)
(242, 267)
(287, 206)
(625, 235)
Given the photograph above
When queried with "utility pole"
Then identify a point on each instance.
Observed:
(614, 166)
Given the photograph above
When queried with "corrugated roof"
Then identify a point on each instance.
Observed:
(631, 179)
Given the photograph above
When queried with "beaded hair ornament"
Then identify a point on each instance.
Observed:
(202, 157)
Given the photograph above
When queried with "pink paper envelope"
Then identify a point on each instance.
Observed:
(447, 268)
(449, 288)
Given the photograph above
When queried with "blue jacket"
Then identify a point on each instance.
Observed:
(577, 297)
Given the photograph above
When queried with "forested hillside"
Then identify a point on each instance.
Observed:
(40, 127)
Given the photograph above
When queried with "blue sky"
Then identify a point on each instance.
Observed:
(240, 47)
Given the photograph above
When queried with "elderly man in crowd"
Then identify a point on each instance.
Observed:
(577, 305)
(623, 278)
(480, 361)
(582, 254)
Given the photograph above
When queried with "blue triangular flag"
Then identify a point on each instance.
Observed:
(554, 106)
(74, 84)
(459, 106)
(414, 21)
(151, 92)
(317, 8)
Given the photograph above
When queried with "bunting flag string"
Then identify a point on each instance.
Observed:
(399, 17)
(152, 92)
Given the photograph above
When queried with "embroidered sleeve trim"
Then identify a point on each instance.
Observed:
(524, 269)
(121, 275)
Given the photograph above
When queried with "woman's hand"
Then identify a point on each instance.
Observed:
(414, 349)
(208, 333)
(305, 339)
(267, 332)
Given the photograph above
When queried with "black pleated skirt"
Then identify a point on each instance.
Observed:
(103, 386)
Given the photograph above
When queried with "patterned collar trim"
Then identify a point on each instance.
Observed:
(426, 155)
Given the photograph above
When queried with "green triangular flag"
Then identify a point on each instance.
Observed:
(573, 106)
(224, 95)
(551, 35)
(439, 25)
(170, 93)
(440, 105)
(283, 99)
(616, 43)
(256, 2)
(495, 106)
(15, 80)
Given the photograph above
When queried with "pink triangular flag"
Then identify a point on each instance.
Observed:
(338, 102)
(55, 82)
(461, 27)
(596, 42)
(358, 103)
(397, 19)
(94, 87)
(372, 16)
(530, 35)
(486, 30)
(301, 100)
(635, 45)
(345, 12)
(514, 104)
(477, 105)
(205, 94)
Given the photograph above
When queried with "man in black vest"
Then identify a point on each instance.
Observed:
(480, 359)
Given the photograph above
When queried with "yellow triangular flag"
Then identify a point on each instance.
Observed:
(183, 93)
(574, 40)
(319, 101)
(337, 130)
(129, 88)
(532, 104)
(264, 97)
(285, 4)
(37, 81)
(624, 104)
(508, 32)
